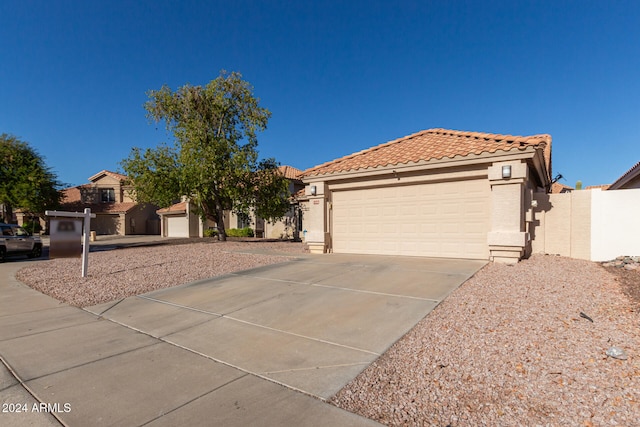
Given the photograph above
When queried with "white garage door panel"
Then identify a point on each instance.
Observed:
(448, 219)
(177, 226)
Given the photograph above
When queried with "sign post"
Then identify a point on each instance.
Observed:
(86, 217)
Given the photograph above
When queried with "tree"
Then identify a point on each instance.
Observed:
(25, 181)
(214, 158)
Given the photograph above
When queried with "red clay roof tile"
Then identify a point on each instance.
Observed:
(557, 188)
(601, 186)
(432, 144)
(176, 208)
(290, 172)
(114, 175)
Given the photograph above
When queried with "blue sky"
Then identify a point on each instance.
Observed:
(338, 76)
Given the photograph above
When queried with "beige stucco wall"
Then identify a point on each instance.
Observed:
(508, 239)
(562, 224)
(283, 229)
(105, 224)
(142, 220)
(314, 217)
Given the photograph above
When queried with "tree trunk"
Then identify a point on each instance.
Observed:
(222, 233)
(8, 213)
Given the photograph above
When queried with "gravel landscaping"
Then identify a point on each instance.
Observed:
(116, 274)
(514, 345)
(510, 347)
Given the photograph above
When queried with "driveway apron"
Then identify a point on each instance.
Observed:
(266, 345)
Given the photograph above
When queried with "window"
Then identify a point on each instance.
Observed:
(107, 195)
(243, 220)
(19, 231)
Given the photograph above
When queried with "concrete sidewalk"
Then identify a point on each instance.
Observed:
(261, 347)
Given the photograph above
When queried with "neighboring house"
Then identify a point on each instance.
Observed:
(110, 199)
(557, 188)
(179, 220)
(594, 187)
(436, 193)
(630, 179)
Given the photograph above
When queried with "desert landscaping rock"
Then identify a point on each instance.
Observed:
(120, 273)
(617, 353)
(509, 348)
(626, 262)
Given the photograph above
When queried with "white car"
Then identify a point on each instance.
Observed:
(15, 240)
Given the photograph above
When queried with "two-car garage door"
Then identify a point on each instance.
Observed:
(445, 219)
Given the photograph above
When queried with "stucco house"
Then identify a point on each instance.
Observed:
(178, 220)
(557, 188)
(436, 193)
(108, 196)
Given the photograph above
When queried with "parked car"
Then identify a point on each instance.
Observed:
(15, 240)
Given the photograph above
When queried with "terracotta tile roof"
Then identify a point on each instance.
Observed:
(110, 208)
(627, 176)
(300, 195)
(593, 187)
(432, 144)
(177, 208)
(114, 175)
(290, 172)
(557, 188)
(73, 195)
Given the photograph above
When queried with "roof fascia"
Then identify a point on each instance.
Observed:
(628, 176)
(97, 176)
(540, 166)
(486, 158)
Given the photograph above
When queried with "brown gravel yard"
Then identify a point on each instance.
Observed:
(125, 272)
(508, 348)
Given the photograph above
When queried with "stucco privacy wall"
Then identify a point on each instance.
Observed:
(589, 224)
(562, 224)
(615, 218)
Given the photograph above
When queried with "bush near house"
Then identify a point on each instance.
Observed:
(210, 232)
(240, 232)
(32, 227)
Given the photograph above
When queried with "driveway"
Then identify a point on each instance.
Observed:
(311, 324)
(236, 346)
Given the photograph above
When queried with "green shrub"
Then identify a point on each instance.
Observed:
(210, 232)
(240, 232)
(32, 227)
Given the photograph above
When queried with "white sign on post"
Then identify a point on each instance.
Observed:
(65, 235)
(67, 231)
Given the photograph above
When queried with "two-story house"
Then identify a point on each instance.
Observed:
(117, 213)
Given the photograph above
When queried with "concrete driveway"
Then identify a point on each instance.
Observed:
(311, 324)
(223, 348)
